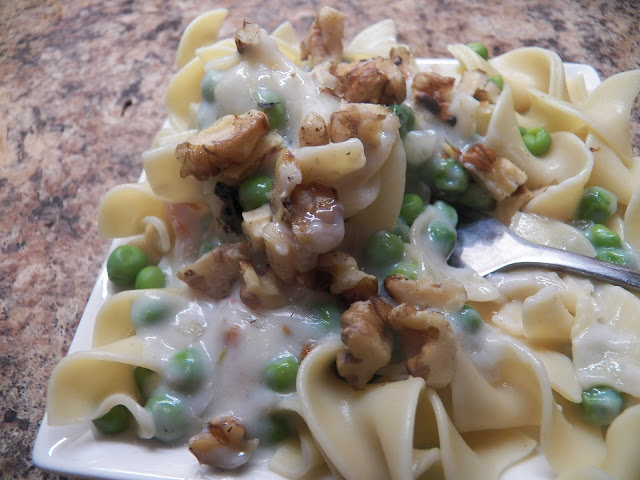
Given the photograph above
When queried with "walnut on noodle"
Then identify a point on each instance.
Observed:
(376, 80)
(261, 291)
(313, 131)
(311, 223)
(428, 343)
(358, 121)
(477, 84)
(316, 217)
(346, 278)
(234, 145)
(432, 91)
(448, 294)
(324, 42)
(367, 339)
(214, 273)
(223, 444)
(499, 176)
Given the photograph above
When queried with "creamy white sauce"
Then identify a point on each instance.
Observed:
(237, 344)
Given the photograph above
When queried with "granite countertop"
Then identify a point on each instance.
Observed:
(82, 87)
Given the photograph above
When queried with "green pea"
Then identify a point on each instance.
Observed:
(477, 198)
(446, 212)
(327, 313)
(601, 236)
(124, 263)
(443, 237)
(617, 256)
(254, 192)
(169, 415)
(146, 380)
(480, 49)
(208, 85)
(185, 370)
(273, 105)
(114, 421)
(149, 310)
(600, 405)
(404, 267)
(150, 277)
(536, 139)
(405, 115)
(274, 428)
(402, 230)
(469, 319)
(498, 80)
(412, 206)
(448, 175)
(280, 374)
(383, 248)
(597, 204)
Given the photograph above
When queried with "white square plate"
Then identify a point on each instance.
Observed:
(80, 451)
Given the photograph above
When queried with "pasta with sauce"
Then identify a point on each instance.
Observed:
(316, 318)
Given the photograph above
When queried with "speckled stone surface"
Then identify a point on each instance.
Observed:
(82, 87)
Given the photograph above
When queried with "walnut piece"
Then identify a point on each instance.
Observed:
(432, 91)
(234, 144)
(223, 444)
(376, 80)
(316, 217)
(400, 55)
(346, 278)
(499, 176)
(424, 292)
(261, 291)
(215, 272)
(247, 37)
(253, 223)
(367, 339)
(324, 42)
(477, 84)
(358, 121)
(313, 131)
(428, 343)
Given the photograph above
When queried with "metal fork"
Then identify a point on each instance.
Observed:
(486, 245)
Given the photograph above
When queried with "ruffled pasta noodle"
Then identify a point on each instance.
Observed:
(341, 164)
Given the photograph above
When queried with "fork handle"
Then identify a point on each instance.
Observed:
(582, 265)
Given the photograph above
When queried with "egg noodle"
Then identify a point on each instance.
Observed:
(339, 356)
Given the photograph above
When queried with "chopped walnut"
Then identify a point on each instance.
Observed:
(449, 151)
(432, 91)
(497, 175)
(400, 55)
(367, 339)
(247, 37)
(150, 242)
(313, 131)
(215, 272)
(477, 84)
(315, 216)
(424, 292)
(428, 343)
(509, 206)
(346, 278)
(324, 42)
(223, 444)
(358, 121)
(283, 252)
(376, 80)
(261, 291)
(253, 223)
(232, 143)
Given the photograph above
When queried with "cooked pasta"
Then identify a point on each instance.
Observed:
(294, 221)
